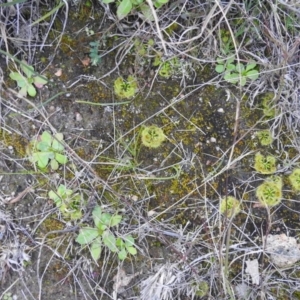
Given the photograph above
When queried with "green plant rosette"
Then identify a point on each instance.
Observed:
(265, 137)
(125, 88)
(294, 179)
(48, 149)
(230, 206)
(269, 193)
(264, 164)
(152, 136)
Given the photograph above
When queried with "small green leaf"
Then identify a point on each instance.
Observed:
(53, 196)
(230, 67)
(122, 254)
(59, 136)
(43, 146)
(240, 68)
(137, 2)
(16, 76)
(23, 90)
(57, 146)
(105, 219)
(23, 84)
(62, 159)
(61, 190)
(87, 235)
(95, 249)
(129, 240)
(124, 9)
(253, 74)
(108, 1)
(131, 250)
(39, 81)
(147, 12)
(120, 243)
(51, 155)
(115, 220)
(42, 158)
(243, 81)
(231, 77)
(54, 165)
(160, 3)
(109, 241)
(97, 212)
(250, 66)
(28, 70)
(47, 137)
(220, 68)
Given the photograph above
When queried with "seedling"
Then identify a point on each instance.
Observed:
(202, 289)
(152, 136)
(264, 164)
(67, 201)
(294, 179)
(125, 88)
(7, 296)
(269, 193)
(126, 6)
(47, 149)
(28, 81)
(230, 206)
(94, 55)
(167, 68)
(265, 137)
(269, 109)
(236, 72)
(101, 235)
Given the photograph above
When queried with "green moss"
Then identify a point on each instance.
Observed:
(51, 224)
(18, 143)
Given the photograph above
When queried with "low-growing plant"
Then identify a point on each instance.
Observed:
(268, 106)
(125, 88)
(202, 289)
(152, 136)
(47, 148)
(294, 179)
(143, 48)
(67, 201)
(264, 164)
(94, 53)
(230, 206)
(265, 137)
(126, 6)
(269, 193)
(7, 296)
(101, 235)
(27, 81)
(236, 72)
(226, 43)
(167, 68)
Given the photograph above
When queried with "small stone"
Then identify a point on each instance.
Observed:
(221, 110)
(78, 117)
